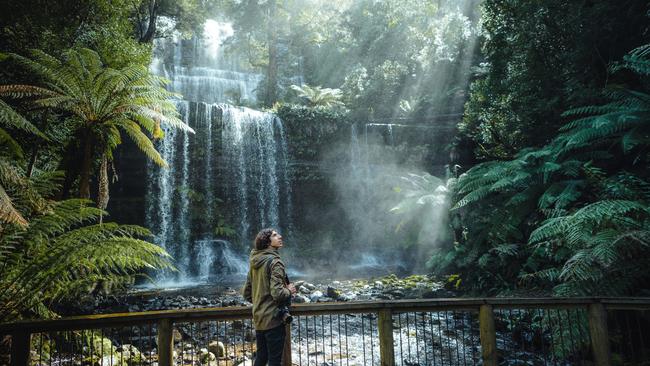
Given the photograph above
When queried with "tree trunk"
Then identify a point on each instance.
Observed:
(151, 28)
(272, 70)
(86, 166)
(70, 165)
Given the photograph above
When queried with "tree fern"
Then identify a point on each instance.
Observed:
(64, 254)
(317, 96)
(103, 101)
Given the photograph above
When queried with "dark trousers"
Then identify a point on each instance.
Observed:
(270, 344)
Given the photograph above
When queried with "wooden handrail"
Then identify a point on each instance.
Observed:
(244, 312)
(21, 331)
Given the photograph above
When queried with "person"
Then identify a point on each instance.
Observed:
(267, 288)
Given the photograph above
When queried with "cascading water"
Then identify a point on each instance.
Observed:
(254, 143)
(231, 176)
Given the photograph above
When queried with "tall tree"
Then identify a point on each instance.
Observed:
(188, 16)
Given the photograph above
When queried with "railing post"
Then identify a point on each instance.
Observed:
(20, 344)
(488, 335)
(286, 353)
(599, 335)
(165, 342)
(386, 344)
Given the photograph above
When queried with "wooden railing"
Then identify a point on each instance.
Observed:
(384, 315)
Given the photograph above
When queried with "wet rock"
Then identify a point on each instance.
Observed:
(301, 299)
(437, 293)
(315, 296)
(395, 292)
(217, 348)
(348, 296)
(333, 292)
(304, 290)
(177, 335)
(309, 286)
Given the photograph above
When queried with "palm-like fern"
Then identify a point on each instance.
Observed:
(64, 254)
(317, 96)
(105, 103)
(585, 219)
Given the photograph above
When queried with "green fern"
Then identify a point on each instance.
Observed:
(63, 255)
(585, 217)
(104, 102)
(317, 96)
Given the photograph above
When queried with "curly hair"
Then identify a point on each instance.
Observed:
(263, 238)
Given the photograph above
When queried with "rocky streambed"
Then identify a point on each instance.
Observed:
(421, 338)
(381, 288)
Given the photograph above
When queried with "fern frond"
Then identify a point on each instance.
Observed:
(142, 141)
(9, 117)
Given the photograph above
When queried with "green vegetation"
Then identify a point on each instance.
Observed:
(63, 110)
(554, 96)
(564, 209)
(572, 214)
(101, 102)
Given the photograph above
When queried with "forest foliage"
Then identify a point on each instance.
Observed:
(554, 97)
(74, 80)
(558, 120)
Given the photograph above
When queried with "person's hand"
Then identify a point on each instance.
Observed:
(292, 288)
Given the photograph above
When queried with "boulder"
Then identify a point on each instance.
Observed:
(131, 354)
(217, 348)
(301, 299)
(315, 296)
(177, 336)
(333, 292)
(348, 296)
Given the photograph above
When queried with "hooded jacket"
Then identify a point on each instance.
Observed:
(265, 288)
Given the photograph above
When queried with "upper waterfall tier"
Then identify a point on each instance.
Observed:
(208, 85)
(200, 70)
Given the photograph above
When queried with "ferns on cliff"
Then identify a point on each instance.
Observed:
(573, 214)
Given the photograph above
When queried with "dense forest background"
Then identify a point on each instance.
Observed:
(548, 190)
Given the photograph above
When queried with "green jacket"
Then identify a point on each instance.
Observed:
(266, 289)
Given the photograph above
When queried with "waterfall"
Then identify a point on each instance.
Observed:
(232, 173)
(255, 149)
